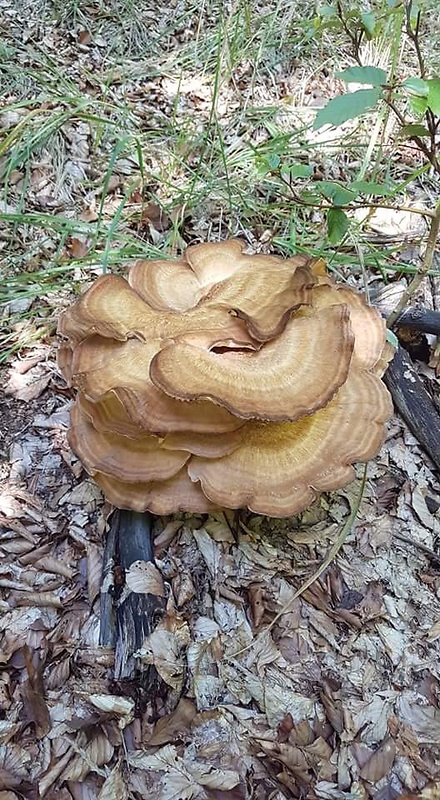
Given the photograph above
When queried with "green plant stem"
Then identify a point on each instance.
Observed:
(424, 269)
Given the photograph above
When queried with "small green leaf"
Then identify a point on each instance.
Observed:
(371, 75)
(434, 96)
(418, 105)
(273, 161)
(416, 86)
(335, 192)
(392, 339)
(298, 171)
(337, 224)
(376, 189)
(413, 130)
(368, 20)
(346, 106)
(327, 11)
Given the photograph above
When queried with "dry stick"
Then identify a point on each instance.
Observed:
(423, 271)
(332, 553)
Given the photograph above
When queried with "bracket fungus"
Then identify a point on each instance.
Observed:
(224, 379)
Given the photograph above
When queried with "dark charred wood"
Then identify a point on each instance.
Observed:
(420, 319)
(128, 617)
(414, 403)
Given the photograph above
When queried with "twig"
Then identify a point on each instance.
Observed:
(419, 546)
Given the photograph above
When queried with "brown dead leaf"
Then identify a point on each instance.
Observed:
(183, 588)
(284, 728)
(94, 571)
(331, 700)
(29, 385)
(113, 704)
(77, 248)
(49, 599)
(165, 537)
(292, 757)
(178, 722)
(143, 577)
(92, 754)
(84, 38)
(301, 734)
(15, 763)
(380, 762)
(32, 695)
(155, 216)
(370, 606)
(256, 599)
(89, 215)
(114, 787)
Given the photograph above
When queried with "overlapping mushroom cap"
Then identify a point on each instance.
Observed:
(224, 380)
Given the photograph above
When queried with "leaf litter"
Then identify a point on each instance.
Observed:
(338, 698)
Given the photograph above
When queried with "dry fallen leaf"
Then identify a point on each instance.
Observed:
(114, 787)
(256, 598)
(144, 577)
(380, 762)
(175, 723)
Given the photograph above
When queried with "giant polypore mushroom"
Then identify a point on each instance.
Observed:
(224, 379)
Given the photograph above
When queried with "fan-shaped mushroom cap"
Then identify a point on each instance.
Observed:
(292, 375)
(280, 467)
(112, 309)
(214, 262)
(265, 297)
(166, 285)
(114, 374)
(224, 379)
(127, 459)
(204, 444)
(367, 324)
(178, 493)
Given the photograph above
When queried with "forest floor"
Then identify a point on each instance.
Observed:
(132, 130)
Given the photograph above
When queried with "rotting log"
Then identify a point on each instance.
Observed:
(128, 617)
(414, 403)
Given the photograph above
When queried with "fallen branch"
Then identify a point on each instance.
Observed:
(128, 617)
(414, 403)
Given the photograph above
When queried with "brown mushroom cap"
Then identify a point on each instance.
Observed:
(280, 467)
(212, 262)
(292, 375)
(127, 459)
(224, 379)
(177, 493)
(114, 374)
(367, 324)
(112, 309)
(265, 296)
(166, 285)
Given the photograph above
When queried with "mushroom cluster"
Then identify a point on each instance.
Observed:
(224, 380)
